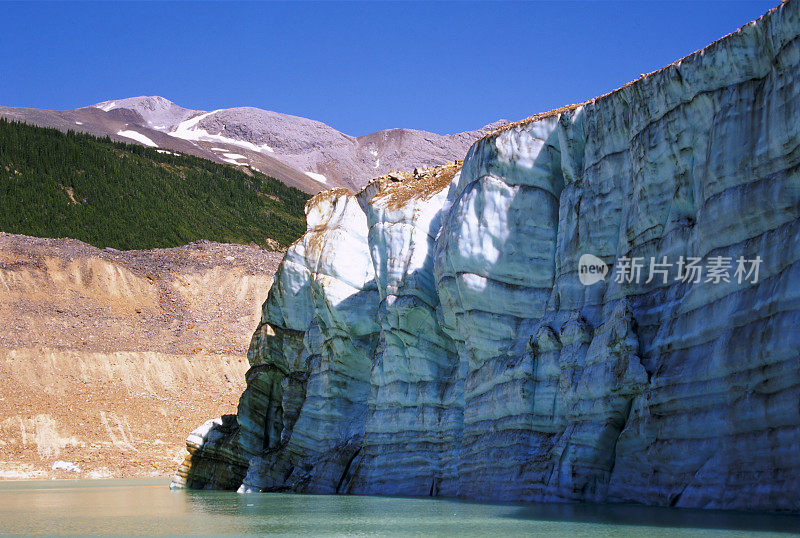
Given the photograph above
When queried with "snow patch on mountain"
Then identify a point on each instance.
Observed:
(66, 466)
(374, 153)
(234, 158)
(139, 137)
(317, 177)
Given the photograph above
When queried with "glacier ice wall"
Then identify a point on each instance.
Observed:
(430, 336)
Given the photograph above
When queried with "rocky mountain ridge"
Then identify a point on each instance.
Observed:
(303, 153)
(430, 335)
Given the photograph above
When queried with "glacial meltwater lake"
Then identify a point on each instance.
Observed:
(149, 507)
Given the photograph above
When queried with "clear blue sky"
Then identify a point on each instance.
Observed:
(359, 67)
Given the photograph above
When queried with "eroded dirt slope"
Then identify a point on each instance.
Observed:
(102, 351)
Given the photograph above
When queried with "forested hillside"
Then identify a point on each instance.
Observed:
(106, 193)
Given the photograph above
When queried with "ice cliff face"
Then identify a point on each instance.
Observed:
(431, 336)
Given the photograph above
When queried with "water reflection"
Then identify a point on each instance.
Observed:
(312, 514)
(618, 514)
(147, 506)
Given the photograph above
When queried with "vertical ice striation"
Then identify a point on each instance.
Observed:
(430, 335)
(413, 427)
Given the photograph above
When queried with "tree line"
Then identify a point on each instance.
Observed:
(106, 193)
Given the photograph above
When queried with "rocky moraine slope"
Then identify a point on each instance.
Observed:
(101, 351)
(430, 335)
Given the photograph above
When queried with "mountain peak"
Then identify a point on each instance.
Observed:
(157, 111)
(150, 102)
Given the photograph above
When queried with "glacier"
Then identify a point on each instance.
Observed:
(429, 335)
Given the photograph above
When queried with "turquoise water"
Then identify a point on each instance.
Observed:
(149, 507)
